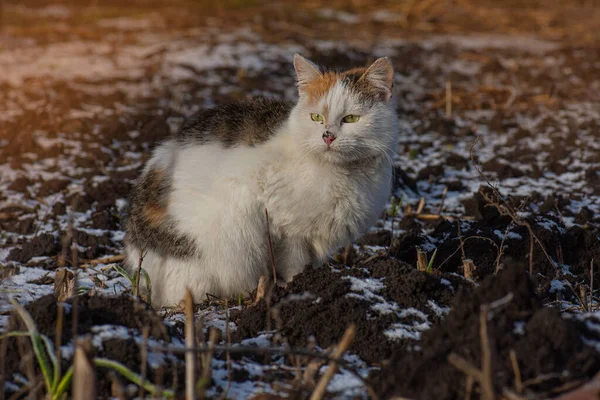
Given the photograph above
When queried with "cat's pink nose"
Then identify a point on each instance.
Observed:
(329, 137)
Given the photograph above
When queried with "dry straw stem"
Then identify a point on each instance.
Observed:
(468, 268)
(421, 206)
(339, 351)
(591, 285)
(228, 354)
(207, 359)
(104, 260)
(84, 374)
(448, 99)
(483, 376)
(271, 247)
(143, 360)
(421, 260)
(517, 371)
(190, 343)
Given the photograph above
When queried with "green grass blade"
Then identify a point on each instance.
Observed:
(131, 376)
(124, 274)
(63, 385)
(36, 343)
(430, 265)
(15, 334)
(52, 354)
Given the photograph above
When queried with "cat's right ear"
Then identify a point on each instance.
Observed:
(306, 71)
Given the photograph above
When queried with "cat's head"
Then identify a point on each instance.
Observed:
(344, 117)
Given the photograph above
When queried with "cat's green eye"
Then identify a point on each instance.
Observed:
(316, 117)
(348, 119)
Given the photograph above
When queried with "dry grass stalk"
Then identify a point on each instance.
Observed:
(462, 242)
(517, 371)
(421, 206)
(190, 343)
(448, 99)
(84, 374)
(143, 360)
(468, 268)
(421, 260)
(207, 359)
(271, 247)
(469, 387)
(501, 251)
(483, 376)
(75, 305)
(583, 298)
(261, 289)
(227, 354)
(117, 390)
(591, 285)
(441, 207)
(104, 260)
(339, 351)
(486, 354)
(138, 275)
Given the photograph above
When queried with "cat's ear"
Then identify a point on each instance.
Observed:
(381, 77)
(306, 71)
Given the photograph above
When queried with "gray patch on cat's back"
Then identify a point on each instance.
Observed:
(149, 227)
(243, 123)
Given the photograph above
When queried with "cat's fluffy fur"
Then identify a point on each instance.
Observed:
(197, 211)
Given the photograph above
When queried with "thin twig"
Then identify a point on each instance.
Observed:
(591, 285)
(517, 371)
(487, 384)
(143, 360)
(138, 275)
(339, 351)
(465, 366)
(441, 207)
(206, 368)
(190, 343)
(271, 247)
(228, 354)
(499, 256)
(448, 99)
(420, 206)
(460, 238)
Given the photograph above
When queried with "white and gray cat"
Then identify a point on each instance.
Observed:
(322, 168)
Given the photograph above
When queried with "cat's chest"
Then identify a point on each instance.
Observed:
(306, 199)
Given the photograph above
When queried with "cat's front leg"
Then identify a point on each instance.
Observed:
(292, 254)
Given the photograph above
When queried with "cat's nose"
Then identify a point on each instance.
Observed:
(329, 137)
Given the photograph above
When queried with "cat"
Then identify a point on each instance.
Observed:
(321, 167)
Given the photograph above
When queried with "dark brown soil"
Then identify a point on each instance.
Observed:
(328, 308)
(545, 344)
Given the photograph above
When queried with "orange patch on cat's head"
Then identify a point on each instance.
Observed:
(318, 87)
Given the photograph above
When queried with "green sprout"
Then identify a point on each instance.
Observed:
(133, 279)
(430, 264)
(56, 386)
